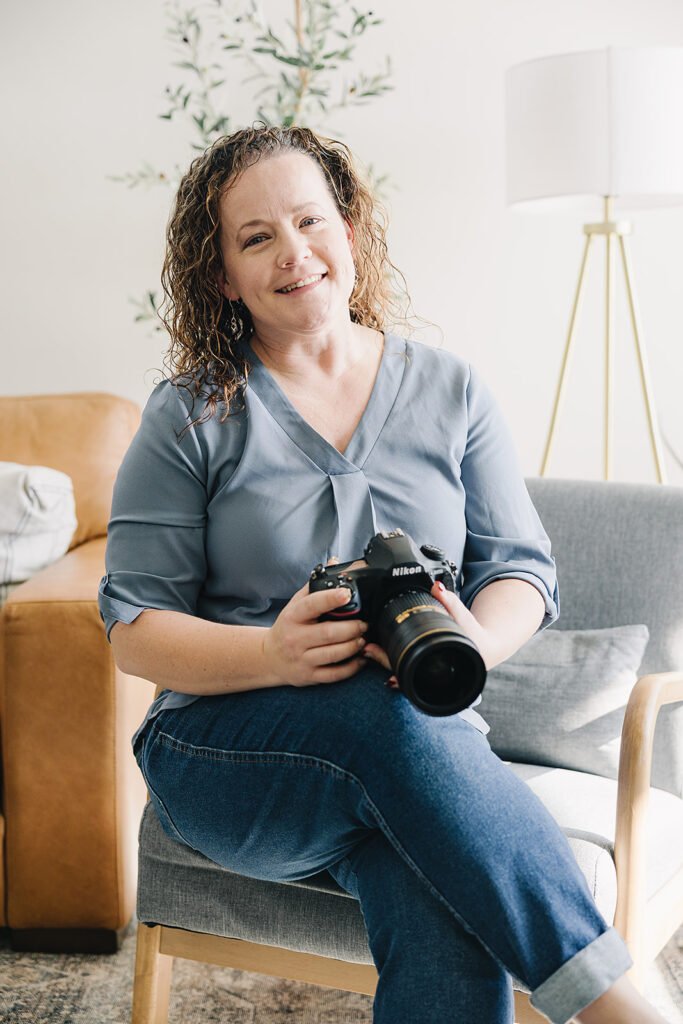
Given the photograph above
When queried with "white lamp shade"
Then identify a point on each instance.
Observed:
(601, 123)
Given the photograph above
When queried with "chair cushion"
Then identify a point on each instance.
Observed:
(560, 699)
(180, 887)
(585, 806)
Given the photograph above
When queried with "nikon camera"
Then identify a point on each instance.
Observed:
(439, 669)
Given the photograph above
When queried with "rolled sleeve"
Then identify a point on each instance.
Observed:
(505, 538)
(155, 556)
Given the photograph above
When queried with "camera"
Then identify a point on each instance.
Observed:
(439, 669)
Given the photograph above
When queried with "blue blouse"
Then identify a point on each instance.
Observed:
(228, 524)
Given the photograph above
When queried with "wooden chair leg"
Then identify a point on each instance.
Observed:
(152, 985)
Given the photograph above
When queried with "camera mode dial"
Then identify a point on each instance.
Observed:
(431, 551)
(352, 606)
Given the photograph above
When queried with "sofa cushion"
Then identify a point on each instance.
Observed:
(561, 698)
(37, 521)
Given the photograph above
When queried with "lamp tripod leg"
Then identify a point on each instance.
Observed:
(609, 352)
(565, 360)
(655, 440)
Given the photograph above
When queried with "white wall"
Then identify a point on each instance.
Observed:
(84, 82)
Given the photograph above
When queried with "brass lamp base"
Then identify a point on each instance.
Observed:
(611, 230)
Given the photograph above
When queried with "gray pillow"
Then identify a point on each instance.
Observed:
(560, 699)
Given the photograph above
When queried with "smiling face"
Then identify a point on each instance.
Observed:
(298, 233)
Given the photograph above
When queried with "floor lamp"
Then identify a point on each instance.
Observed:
(602, 123)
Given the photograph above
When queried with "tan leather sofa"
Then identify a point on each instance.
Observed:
(72, 795)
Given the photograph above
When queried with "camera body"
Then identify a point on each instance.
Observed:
(438, 667)
(394, 565)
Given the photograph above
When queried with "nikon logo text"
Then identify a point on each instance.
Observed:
(406, 570)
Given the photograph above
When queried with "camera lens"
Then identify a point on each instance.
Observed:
(439, 668)
(446, 676)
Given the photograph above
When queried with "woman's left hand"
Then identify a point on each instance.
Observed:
(459, 613)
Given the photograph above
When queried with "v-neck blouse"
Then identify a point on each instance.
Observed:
(228, 523)
(302, 433)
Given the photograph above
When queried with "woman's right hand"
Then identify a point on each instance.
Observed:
(301, 651)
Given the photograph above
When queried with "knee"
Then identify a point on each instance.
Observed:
(382, 723)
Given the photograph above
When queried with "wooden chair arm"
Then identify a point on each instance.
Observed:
(650, 693)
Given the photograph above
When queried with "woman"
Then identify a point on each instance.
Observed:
(332, 428)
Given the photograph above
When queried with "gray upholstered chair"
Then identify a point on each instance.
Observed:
(619, 553)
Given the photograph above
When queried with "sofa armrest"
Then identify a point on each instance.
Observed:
(71, 578)
(649, 695)
(73, 794)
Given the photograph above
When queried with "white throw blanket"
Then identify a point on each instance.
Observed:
(37, 521)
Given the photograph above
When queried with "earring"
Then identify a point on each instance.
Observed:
(235, 326)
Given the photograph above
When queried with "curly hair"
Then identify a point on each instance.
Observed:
(203, 324)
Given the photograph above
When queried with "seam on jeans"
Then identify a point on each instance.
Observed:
(251, 756)
(311, 761)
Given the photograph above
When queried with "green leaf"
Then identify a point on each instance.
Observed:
(275, 39)
(296, 61)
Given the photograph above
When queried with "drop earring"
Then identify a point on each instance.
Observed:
(236, 326)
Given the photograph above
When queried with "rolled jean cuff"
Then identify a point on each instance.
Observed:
(585, 977)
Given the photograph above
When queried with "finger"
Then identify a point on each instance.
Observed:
(304, 590)
(377, 654)
(312, 606)
(301, 592)
(449, 600)
(335, 673)
(336, 652)
(329, 632)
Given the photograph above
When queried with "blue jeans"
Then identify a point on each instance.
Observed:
(463, 877)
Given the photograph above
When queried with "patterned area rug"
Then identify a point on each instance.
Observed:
(42, 988)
